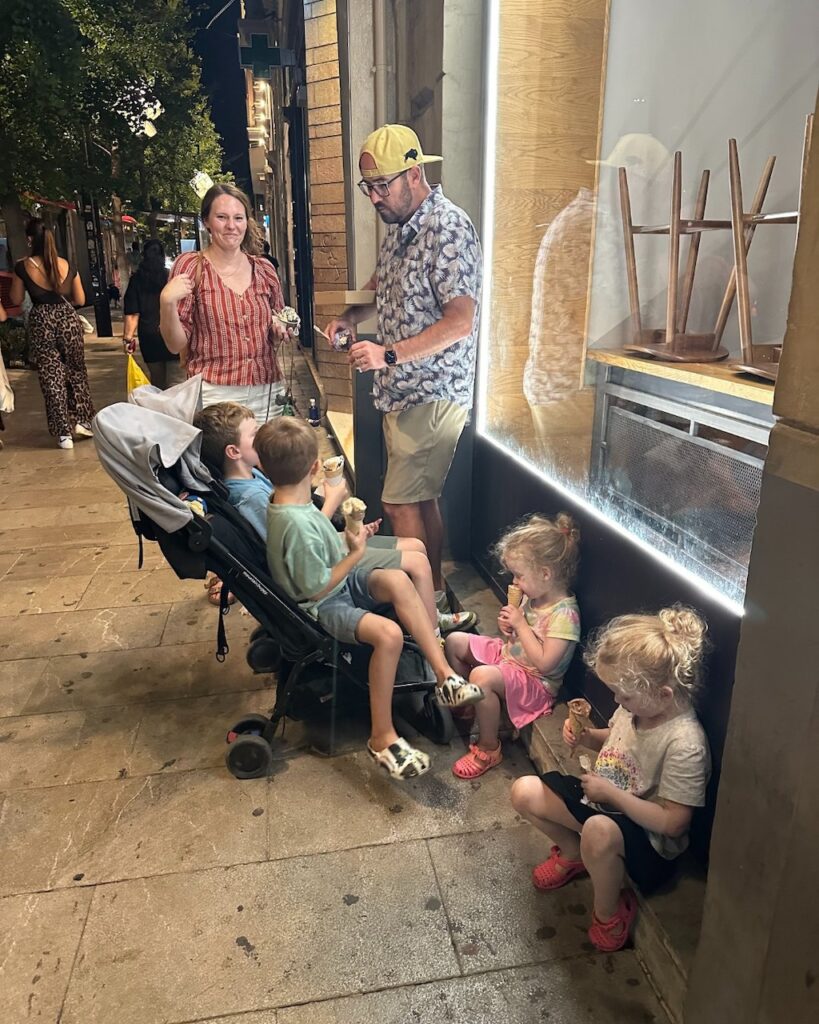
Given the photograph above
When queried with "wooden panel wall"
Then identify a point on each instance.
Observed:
(328, 212)
(550, 78)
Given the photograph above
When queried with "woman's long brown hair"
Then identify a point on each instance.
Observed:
(44, 246)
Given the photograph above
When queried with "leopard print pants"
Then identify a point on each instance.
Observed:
(57, 352)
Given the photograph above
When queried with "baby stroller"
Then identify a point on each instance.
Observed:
(150, 448)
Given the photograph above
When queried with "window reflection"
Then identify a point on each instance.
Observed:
(672, 450)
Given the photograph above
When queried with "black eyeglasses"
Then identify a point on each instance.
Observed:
(381, 188)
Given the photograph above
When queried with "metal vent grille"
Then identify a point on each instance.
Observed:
(700, 494)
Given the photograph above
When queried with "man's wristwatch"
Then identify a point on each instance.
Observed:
(390, 355)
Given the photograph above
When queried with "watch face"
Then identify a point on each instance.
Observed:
(390, 357)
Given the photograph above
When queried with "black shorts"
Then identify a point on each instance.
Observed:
(647, 869)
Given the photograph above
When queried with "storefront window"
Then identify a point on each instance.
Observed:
(622, 355)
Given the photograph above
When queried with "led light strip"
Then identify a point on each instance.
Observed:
(707, 589)
(488, 206)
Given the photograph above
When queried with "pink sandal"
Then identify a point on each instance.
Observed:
(546, 876)
(476, 762)
(609, 936)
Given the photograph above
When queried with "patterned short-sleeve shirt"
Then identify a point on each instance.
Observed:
(424, 264)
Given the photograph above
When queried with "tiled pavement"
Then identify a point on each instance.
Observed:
(141, 883)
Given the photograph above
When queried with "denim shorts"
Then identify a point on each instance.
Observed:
(341, 613)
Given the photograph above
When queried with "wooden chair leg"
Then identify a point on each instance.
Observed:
(631, 261)
(674, 253)
(742, 237)
(693, 252)
(731, 287)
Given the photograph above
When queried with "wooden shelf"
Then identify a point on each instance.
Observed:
(712, 376)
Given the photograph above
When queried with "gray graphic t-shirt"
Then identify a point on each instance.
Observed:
(423, 264)
(669, 762)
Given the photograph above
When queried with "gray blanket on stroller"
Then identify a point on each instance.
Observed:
(152, 430)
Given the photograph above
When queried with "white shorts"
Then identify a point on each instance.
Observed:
(259, 398)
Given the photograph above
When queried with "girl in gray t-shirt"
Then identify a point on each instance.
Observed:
(632, 811)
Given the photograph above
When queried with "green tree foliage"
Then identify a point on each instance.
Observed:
(75, 79)
(41, 65)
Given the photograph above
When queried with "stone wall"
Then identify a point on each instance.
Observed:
(328, 213)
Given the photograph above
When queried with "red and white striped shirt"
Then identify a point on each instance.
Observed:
(229, 337)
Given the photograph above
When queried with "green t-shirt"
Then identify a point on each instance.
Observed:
(302, 549)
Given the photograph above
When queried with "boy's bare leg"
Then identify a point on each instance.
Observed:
(416, 566)
(387, 640)
(410, 544)
(394, 587)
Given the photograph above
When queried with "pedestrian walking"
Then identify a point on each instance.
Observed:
(427, 285)
(56, 334)
(221, 306)
(141, 317)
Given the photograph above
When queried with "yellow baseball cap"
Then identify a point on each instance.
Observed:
(394, 148)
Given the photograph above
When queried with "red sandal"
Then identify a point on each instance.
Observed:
(546, 876)
(476, 762)
(609, 936)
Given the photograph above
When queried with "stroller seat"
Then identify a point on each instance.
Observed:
(153, 456)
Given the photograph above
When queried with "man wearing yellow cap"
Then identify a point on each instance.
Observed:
(427, 283)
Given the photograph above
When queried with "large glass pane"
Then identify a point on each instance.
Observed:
(623, 357)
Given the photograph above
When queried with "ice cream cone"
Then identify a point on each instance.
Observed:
(514, 595)
(353, 511)
(579, 711)
(333, 470)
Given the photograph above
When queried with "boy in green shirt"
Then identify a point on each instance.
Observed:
(309, 561)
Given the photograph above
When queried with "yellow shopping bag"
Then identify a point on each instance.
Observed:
(136, 378)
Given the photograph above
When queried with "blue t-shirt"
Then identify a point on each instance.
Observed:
(251, 498)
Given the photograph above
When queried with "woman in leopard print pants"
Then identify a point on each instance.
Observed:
(55, 335)
(58, 353)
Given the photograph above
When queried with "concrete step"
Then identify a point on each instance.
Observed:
(668, 924)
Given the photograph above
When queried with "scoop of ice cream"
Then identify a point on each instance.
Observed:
(354, 508)
(341, 340)
(289, 317)
(333, 466)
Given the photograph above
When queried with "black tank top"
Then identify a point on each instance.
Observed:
(44, 296)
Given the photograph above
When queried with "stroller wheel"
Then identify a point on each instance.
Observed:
(257, 632)
(437, 721)
(255, 725)
(249, 757)
(264, 655)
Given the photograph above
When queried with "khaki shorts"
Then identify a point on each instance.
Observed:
(421, 443)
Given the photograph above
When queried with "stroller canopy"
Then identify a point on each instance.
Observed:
(152, 431)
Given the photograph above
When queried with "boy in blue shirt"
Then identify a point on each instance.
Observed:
(310, 561)
(228, 434)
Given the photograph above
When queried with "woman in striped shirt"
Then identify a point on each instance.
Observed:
(220, 306)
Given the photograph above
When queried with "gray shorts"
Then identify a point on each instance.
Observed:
(381, 553)
(341, 613)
